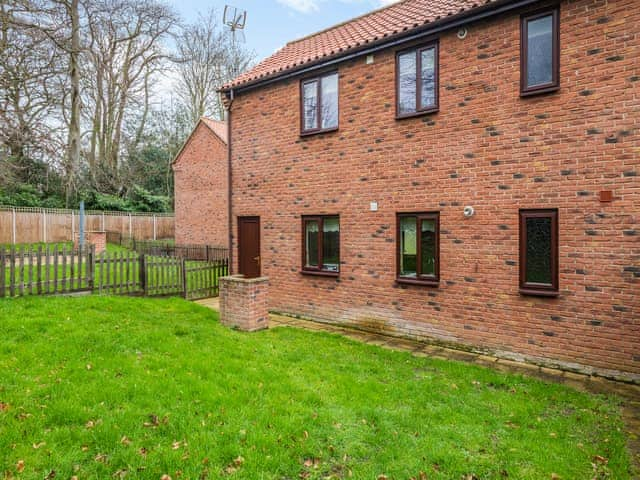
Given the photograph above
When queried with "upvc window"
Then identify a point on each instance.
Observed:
(418, 248)
(417, 80)
(539, 52)
(321, 244)
(319, 109)
(539, 252)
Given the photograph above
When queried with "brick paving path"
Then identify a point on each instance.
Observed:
(629, 393)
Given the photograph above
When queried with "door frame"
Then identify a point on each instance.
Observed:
(239, 220)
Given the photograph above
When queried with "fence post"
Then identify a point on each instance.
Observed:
(143, 274)
(154, 227)
(73, 227)
(184, 278)
(2, 271)
(44, 226)
(91, 266)
(130, 227)
(13, 230)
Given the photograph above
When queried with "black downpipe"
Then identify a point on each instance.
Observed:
(229, 180)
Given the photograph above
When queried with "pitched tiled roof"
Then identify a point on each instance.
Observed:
(220, 129)
(387, 22)
(217, 127)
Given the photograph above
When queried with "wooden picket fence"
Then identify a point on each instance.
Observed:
(53, 270)
(45, 270)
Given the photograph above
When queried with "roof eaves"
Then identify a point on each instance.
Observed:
(483, 9)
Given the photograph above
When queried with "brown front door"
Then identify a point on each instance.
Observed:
(249, 246)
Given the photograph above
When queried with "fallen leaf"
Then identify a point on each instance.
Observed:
(89, 367)
(4, 407)
(555, 476)
(125, 440)
(600, 459)
(101, 458)
(84, 448)
(238, 461)
(52, 474)
(38, 445)
(120, 473)
(143, 451)
(20, 466)
(165, 477)
(176, 445)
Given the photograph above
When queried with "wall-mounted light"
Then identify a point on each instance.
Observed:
(469, 211)
(462, 33)
(373, 206)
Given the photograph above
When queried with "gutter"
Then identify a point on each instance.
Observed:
(229, 180)
(447, 23)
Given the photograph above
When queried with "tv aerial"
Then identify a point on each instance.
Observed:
(234, 19)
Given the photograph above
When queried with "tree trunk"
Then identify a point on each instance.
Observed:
(73, 144)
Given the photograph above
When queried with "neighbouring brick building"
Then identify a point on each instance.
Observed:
(202, 186)
(356, 150)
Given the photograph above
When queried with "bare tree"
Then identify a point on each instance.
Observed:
(125, 48)
(31, 81)
(207, 57)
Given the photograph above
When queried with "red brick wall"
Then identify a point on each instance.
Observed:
(201, 190)
(488, 148)
(244, 302)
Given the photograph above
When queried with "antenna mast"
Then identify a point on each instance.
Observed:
(235, 19)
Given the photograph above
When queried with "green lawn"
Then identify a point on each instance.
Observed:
(115, 387)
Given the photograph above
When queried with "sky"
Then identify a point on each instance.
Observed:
(272, 23)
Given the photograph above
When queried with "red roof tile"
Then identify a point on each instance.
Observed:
(383, 23)
(217, 127)
(220, 129)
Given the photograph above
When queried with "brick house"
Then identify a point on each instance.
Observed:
(200, 172)
(459, 172)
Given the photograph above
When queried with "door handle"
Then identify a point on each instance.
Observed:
(257, 259)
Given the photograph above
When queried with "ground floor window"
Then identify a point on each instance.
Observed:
(539, 252)
(418, 256)
(321, 244)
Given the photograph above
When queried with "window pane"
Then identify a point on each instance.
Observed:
(538, 256)
(408, 246)
(310, 105)
(329, 92)
(311, 243)
(407, 82)
(428, 89)
(331, 244)
(540, 51)
(428, 247)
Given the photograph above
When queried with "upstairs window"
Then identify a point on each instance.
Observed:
(539, 52)
(419, 248)
(319, 103)
(539, 252)
(321, 244)
(417, 80)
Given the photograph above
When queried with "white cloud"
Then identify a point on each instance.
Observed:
(303, 6)
(384, 3)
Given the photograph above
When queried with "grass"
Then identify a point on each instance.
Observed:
(101, 387)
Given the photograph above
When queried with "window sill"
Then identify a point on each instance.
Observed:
(539, 91)
(539, 293)
(412, 281)
(320, 273)
(318, 132)
(419, 113)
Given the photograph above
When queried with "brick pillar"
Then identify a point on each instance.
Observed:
(243, 302)
(99, 239)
